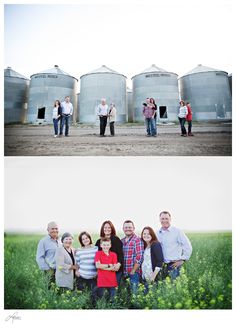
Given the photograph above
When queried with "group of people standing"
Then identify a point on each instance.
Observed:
(185, 114)
(106, 265)
(106, 113)
(62, 111)
(150, 115)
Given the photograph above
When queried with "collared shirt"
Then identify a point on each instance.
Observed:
(133, 253)
(106, 278)
(46, 253)
(67, 108)
(102, 110)
(175, 244)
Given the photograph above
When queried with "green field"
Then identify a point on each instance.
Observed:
(205, 283)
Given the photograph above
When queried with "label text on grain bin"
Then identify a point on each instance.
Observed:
(46, 76)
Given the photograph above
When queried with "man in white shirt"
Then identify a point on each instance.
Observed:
(175, 244)
(67, 111)
(46, 252)
(102, 112)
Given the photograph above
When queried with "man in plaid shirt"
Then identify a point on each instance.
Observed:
(133, 255)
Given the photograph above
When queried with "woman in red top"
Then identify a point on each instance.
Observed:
(189, 118)
(105, 262)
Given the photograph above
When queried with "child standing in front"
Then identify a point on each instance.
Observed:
(105, 261)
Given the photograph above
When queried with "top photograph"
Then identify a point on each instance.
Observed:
(79, 81)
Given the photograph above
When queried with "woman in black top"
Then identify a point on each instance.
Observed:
(152, 258)
(108, 230)
(155, 108)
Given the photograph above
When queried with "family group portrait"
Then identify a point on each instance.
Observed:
(107, 244)
(63, 111)
(118, 164)
(103, 266)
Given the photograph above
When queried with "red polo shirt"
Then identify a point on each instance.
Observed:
(106, 278)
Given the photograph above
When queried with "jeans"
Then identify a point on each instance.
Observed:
(182, 122)
(151, 128)
(134, 282)
(65, 121)
(89, 284)
(111, 292)
(103, 124)
(84, 283)
(190, 127)
(170, 271)
(112, 128)
(146, 285)
(60, 121)
(118, 277)
(55, 124)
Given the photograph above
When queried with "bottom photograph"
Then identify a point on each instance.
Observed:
(118, 233)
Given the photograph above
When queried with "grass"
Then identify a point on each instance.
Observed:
(205, 281)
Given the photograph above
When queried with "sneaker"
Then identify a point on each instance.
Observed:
(190, 134)
(55, 135)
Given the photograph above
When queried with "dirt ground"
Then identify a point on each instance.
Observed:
(210, 139)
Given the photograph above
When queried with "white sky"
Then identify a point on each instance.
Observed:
(126, 36)
(80, 193)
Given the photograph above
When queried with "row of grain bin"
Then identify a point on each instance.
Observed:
(207, 89)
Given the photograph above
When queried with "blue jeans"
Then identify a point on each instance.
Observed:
(65, 121)
(190, 127)
(183, 129)
(118, 277)
(55, 124)
(151, 127)
(173, 272)
(111, 292)
(134, 282)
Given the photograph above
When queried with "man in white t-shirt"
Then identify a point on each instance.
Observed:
(102, 112)
(67, 111)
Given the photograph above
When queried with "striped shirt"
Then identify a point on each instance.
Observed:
(84, 258)
(133, 253)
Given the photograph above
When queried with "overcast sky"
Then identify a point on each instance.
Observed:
(175, 35)
(80, 193)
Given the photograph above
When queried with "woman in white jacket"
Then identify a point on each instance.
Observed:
(183, 111)
(65, 263)
(112, 118)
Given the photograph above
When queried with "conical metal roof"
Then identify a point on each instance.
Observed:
(8, 72)
(201, 68)
(153, 69)
(103, 69)
(54, 70)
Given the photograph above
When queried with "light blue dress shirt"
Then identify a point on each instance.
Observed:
(46, 253)
(175, 244)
